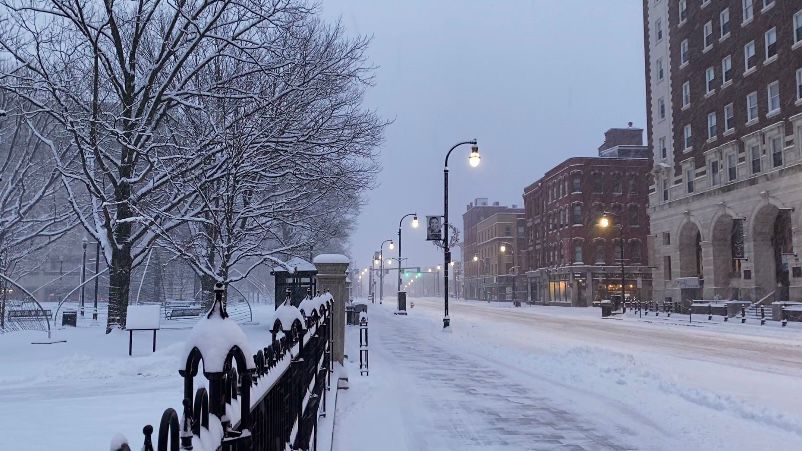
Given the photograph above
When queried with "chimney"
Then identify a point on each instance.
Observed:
(629, 124)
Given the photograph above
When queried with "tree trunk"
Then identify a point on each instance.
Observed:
(119, 288)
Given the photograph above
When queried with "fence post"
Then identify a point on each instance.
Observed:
(331, 274)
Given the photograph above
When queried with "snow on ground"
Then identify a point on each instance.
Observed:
(506, 378)
(77, 395)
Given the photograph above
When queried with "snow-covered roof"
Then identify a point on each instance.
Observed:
(214, 337)
(295, 264)
(331, 258)
(287, 313)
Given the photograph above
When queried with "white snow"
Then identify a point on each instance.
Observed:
(117, 442)
(214, 337)
(286, 314)
(295, 264)
(331, 259)
(147, 316)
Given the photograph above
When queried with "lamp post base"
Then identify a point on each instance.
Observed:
(446, 322)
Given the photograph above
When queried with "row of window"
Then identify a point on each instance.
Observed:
(553, 255)
(561, 189)
(747, 7)
(574, 216)
(773, 106)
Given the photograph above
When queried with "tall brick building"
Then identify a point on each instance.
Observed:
(571, 260)
(724, 95)
(485, 228)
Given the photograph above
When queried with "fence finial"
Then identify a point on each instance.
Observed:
(218, 305)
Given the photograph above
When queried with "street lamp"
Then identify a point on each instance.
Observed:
(604, 222)
(473, 160)
(84, 243)
(415, 224)
(503, 250)
(381, 267)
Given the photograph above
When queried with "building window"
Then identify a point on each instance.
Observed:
(667, 267)
(777, 151)
(771, 43)
(617, 188)
(634, 217)
(683, 51)
(729, 117)
(687, 132)
(635, 252)
(664, 184)
(689, 176)
(751, 107)
(732, 171)
(666, 238)
(633, 186)
(755, 154)
(799, 84)
(663, 149)
(661, 108)
(600, 260)
(597, 183)
(711, 125)
(773, 91)
(715, 175)
(726, 69)
(660, 72)
(577, 214)
(767, 4)
(798, 27)
(577, 252)
(686, 94)
(683, 10)
(617, 249)
(577, 183)
(708, 31)
(724, 24)
(710, 76)
(750, 59)
(658, 27)
(748, 10)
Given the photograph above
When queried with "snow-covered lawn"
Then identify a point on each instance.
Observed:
(77, 395)
(549, 377)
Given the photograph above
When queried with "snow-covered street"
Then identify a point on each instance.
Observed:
(556, 378)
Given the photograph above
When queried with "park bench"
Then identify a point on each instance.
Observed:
(185, 312)
(29, 314)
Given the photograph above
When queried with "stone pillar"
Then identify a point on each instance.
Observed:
(331, 273)
(709, 290)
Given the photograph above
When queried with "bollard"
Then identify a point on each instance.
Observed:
(762, 316)
(743, 314)
(784, 315)
(656, 309)
(363, 346)
(710, 312)
(670, 308)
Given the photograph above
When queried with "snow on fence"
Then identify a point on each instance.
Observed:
(270, 400)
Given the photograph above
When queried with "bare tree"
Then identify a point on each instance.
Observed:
(298, 149)
(122, 80)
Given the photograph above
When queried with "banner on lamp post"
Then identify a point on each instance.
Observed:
(434, 228)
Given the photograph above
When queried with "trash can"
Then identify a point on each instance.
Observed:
(350, 315)
(69, 318)
(402, 301)
(606, 308)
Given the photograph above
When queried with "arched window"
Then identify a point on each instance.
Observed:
(577, 214)
(577, 182)
(636, 251)
(634, 217)
(597, 182)
(600, 257)
(617, 184)
(578, 251)
(617, 251)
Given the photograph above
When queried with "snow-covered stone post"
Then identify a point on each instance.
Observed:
(331, 276)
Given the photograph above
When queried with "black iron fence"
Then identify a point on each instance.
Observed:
(269, 402)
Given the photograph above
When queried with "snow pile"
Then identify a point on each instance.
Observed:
(309, 305)
(295, 264)
(286, 314)
(117, 442)
(214, 337)
(331, 259)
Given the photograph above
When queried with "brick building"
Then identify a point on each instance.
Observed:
(571, 260)
(485, 268)
(724, 95)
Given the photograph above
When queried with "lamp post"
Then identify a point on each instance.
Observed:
(97, 279)
(83, 274)
(381, 268)
(474, 160)
(503, 249)
(604, 223)
(415, 226)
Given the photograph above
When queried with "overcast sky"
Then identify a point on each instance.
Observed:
(534, 81)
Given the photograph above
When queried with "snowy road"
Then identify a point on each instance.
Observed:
(552, 378)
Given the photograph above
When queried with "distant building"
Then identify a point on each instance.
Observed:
(724, 96)
(485, 227)
(571, 259)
